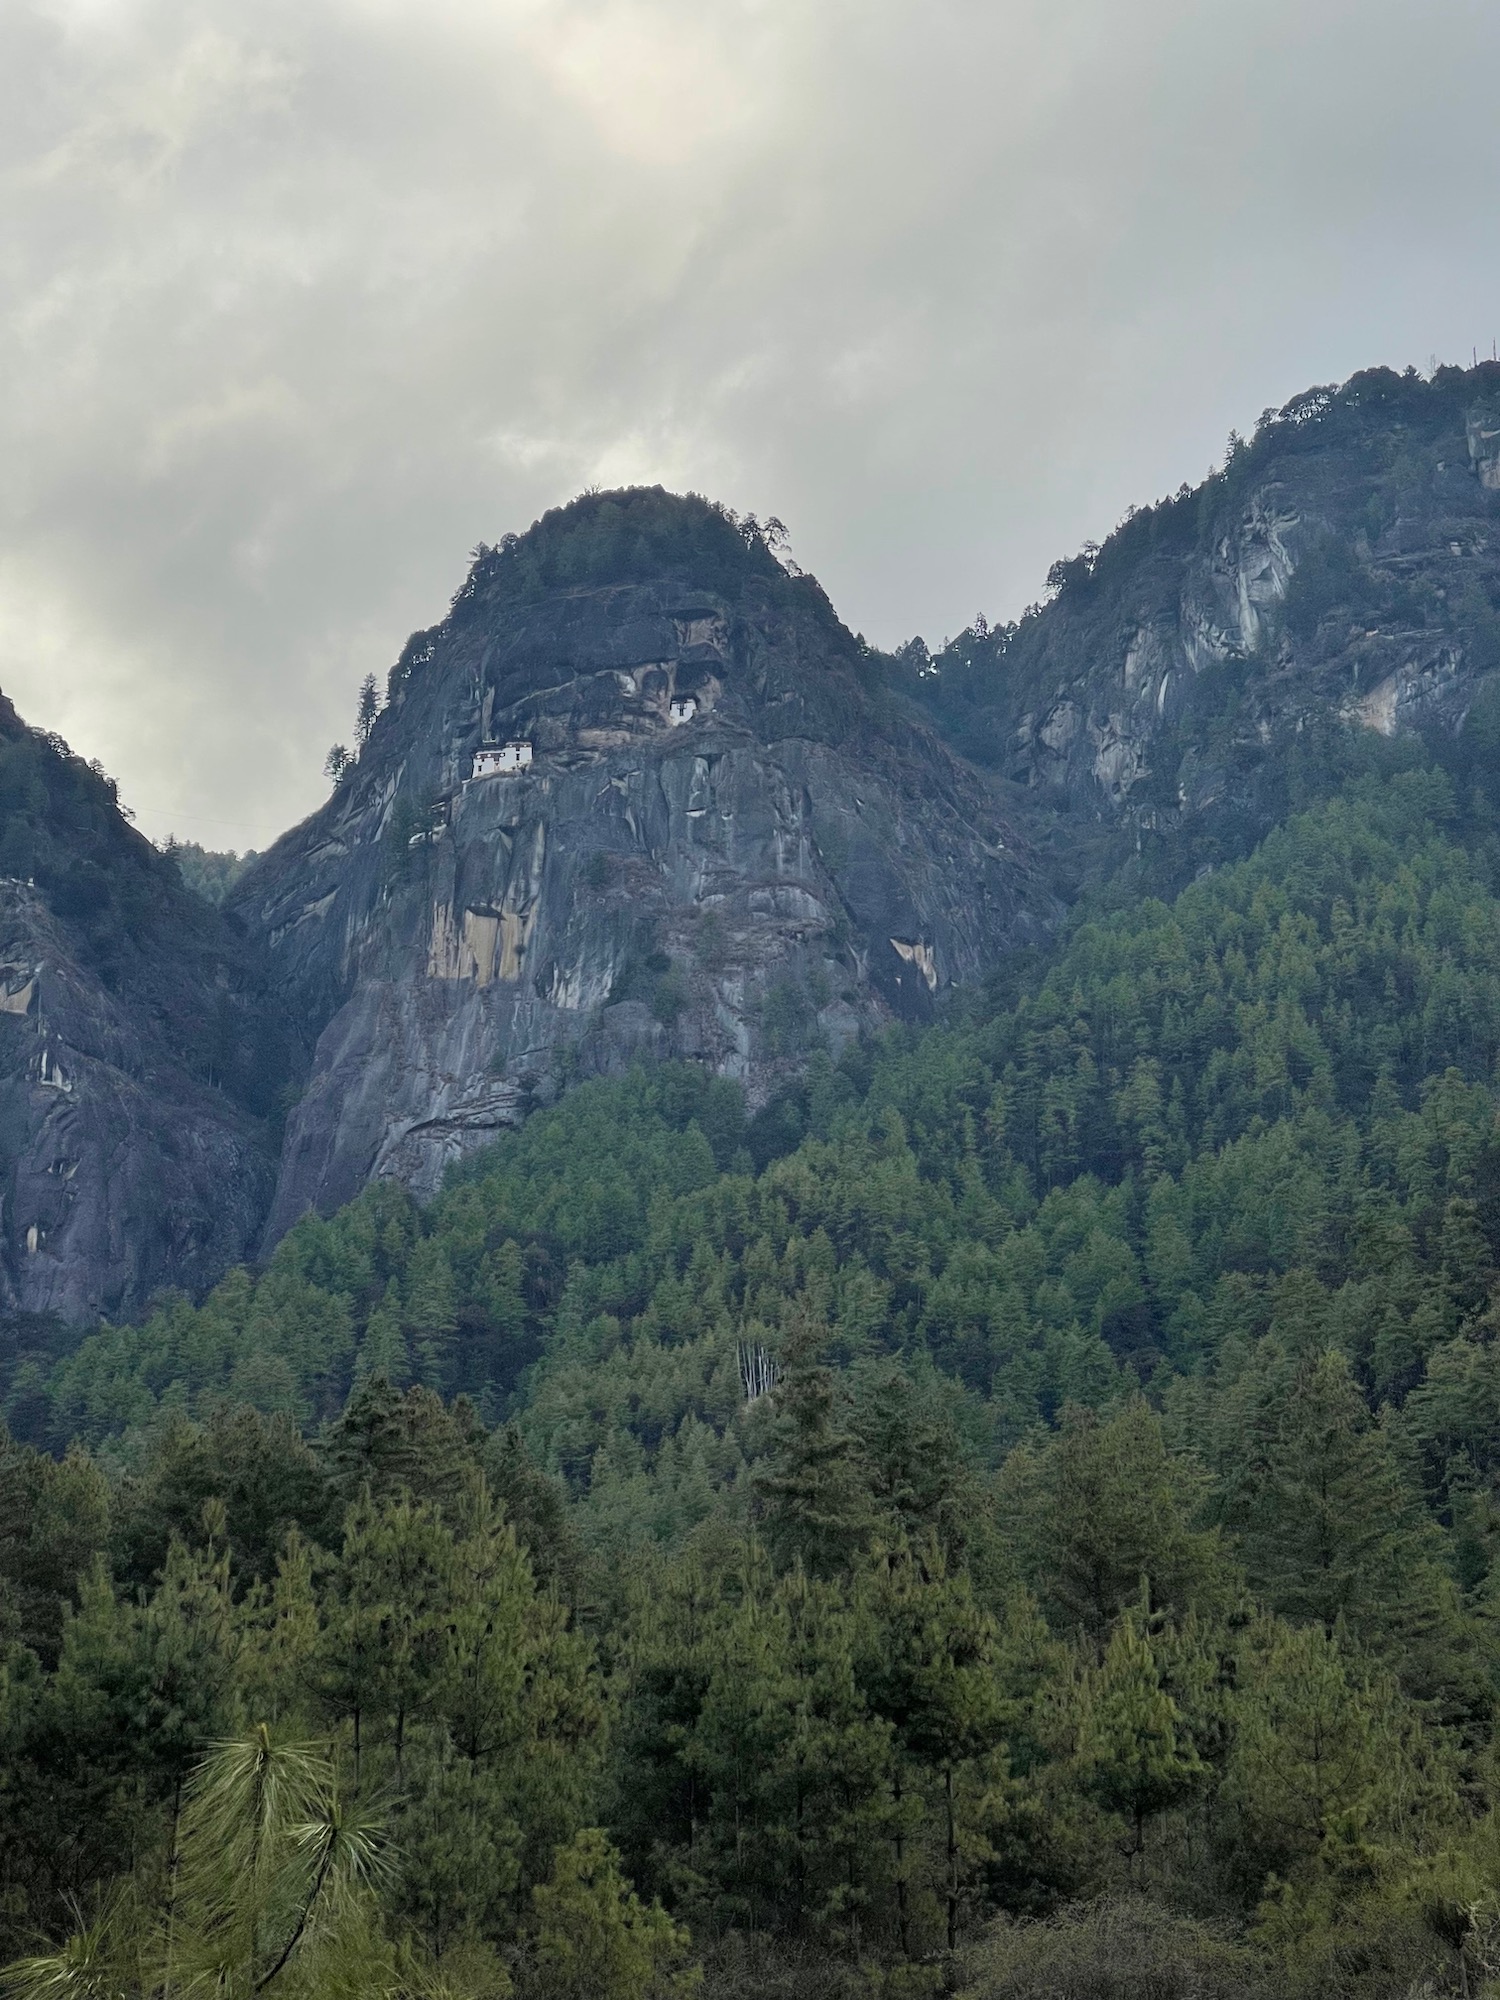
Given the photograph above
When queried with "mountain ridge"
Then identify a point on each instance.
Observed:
(1341, 570)
(740, 834)
(139, 1064)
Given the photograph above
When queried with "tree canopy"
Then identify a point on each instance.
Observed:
(1018, 1511)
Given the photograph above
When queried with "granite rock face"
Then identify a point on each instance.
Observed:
(137, 1057)
(712, 835)
(1341, 571)
(640, 795)
(124, 1172)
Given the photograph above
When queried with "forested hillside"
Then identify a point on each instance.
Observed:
(1016, 1515)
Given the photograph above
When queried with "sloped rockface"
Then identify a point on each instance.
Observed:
(1342, 571)
(735, 839)
(136, 1055)
(728, 846)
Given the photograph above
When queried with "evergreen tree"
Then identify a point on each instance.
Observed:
(270, 1878)
(384, 1351)
(1102, 1510)
(393, 1442)
(259, 1471)
(827, 1777)
(931, 1675)
(917, 1460)
(430, 1315)
(814, 1492)
(1136, 1753)
(1332, 1532)
(384, 1642)
(96, 1751)
(592, 1938)
(1326, 1761)
(366, 709)
(54, 1520)
(536, 1506)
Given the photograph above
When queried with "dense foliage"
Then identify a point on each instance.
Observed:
(208, 872)
(1020, 1511)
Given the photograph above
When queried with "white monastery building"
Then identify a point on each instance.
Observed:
(494, 758)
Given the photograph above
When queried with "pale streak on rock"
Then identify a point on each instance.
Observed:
(764, 845)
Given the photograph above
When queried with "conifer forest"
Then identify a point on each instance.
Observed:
(1009, 1509)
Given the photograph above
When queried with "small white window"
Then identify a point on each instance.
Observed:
(682, 711)
(498, 757)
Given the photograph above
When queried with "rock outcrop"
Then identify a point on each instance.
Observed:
(138, 1060)
(640, 794)
(1342, 570)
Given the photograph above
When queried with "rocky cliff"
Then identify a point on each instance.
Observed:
(1341, 572)
(640, 794)
(138, 1060)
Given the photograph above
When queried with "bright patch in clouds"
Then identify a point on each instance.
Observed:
(299, 299)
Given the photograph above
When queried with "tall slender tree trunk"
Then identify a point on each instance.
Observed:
(952, 1862)
(902, 1918)
(801, 1847)
(172, 1874)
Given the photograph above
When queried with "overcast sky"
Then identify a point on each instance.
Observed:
(299, 299)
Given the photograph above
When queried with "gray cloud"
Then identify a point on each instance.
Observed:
(301, 298)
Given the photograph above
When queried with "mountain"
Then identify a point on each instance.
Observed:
(713, 835)
(140, 1065)
(1339, 574)
(1037, 1526)
(641, 794)
(1014, 1514)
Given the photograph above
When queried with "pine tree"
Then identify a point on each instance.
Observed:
(931, 1676)
(384, 1640)
(592, 1938)
(397, 1443)
(1332, 1532)
(754, 1760)
(1104, 1506)
(270, 1879)
(1326, 1760)
(814, 1496)
(677, 1615)
(384, 1350)
(916, 1458)
(515, 1686)
(277, 1665)
(102, 1747)
(827, 1780)
(458, 1864)
(430, 1315)
(536, 1505)
(726, 1722)
(1136, 1753)
(54, 1518)
(366, 710)
(372, 1443)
